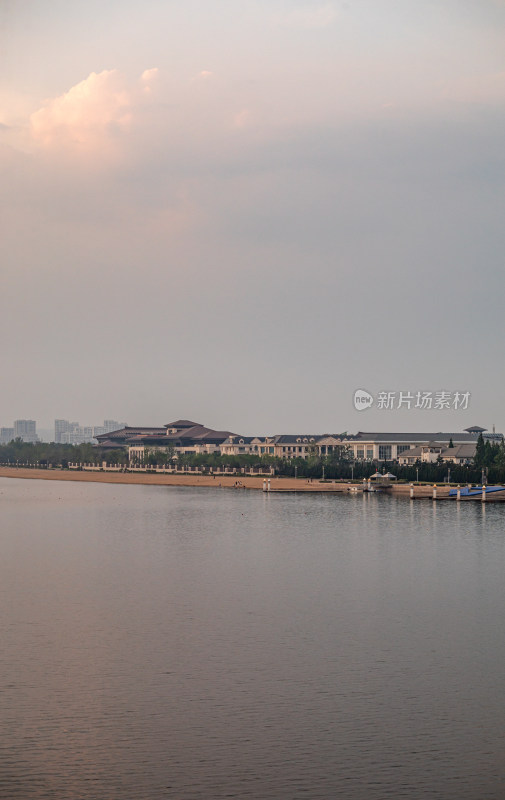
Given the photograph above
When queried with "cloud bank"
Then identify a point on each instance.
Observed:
(97, 109)
(296, 182)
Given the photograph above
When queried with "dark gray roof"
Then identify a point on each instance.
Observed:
(183, 423)
(237, 439)
(458, 451)
(415, 437)
(124, 433)
(218, 435)
(152, 439)
(198, 432)
(185, 437)
(296, 438)
(414, 452)
(461, 451)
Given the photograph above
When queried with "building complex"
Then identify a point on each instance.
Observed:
(184, 436)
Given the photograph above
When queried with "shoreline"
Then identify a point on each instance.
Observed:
(255, 483)
(165, 479)
(278, 484)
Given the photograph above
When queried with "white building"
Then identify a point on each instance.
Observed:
(66, 432)
(6, 435)
(26, 429)
(236, 445)
(430, 454)
(397, 446)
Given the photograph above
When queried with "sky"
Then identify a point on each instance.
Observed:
(240, 213)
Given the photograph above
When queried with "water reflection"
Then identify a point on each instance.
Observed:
(201, 643)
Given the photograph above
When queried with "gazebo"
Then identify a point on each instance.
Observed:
(377, 476)
(382, 478)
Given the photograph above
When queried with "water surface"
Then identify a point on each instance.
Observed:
(209, 643)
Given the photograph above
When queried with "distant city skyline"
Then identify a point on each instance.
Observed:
(65, 431)
(62, 432)
(25, 429)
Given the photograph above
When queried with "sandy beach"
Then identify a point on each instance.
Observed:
(162, 479)
(228, 481)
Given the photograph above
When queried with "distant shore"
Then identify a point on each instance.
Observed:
(277, 484)
(164, 479)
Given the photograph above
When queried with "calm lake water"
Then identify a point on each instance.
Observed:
(162, 642)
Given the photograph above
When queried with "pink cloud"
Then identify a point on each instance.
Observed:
(91, 113)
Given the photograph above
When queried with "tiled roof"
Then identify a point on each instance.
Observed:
(296, 438)
(414, 452)
(196, 435)
(183, 423)
(460, 451)
(197, 432)
(220, 435)
(415, 437)
(152, 439)
(236, 439)
(123, 433)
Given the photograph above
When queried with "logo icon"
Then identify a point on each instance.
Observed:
(362, 399)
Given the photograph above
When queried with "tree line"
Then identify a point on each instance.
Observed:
(490, 459)
(489, 454)
(45, 453)
(340, 465)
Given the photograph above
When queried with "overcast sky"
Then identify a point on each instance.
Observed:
(241, 211)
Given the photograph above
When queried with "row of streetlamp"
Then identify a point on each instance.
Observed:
(417, 474)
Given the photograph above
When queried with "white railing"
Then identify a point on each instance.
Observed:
(170, 470)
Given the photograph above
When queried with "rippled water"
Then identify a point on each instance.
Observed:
(208, 643)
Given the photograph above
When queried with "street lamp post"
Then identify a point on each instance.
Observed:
(417, 474)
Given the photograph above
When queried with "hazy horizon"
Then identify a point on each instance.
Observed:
(46, 433)
(242, 218)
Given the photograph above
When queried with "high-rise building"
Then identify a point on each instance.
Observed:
(6, 435)
(60, 428)
(26, 429)
(66, 432)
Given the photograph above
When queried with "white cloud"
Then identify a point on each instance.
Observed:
(148, 77)
(150, 74)
(91, 113)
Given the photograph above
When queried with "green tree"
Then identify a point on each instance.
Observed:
(500, 456)
(480, 452)
(488, 454)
